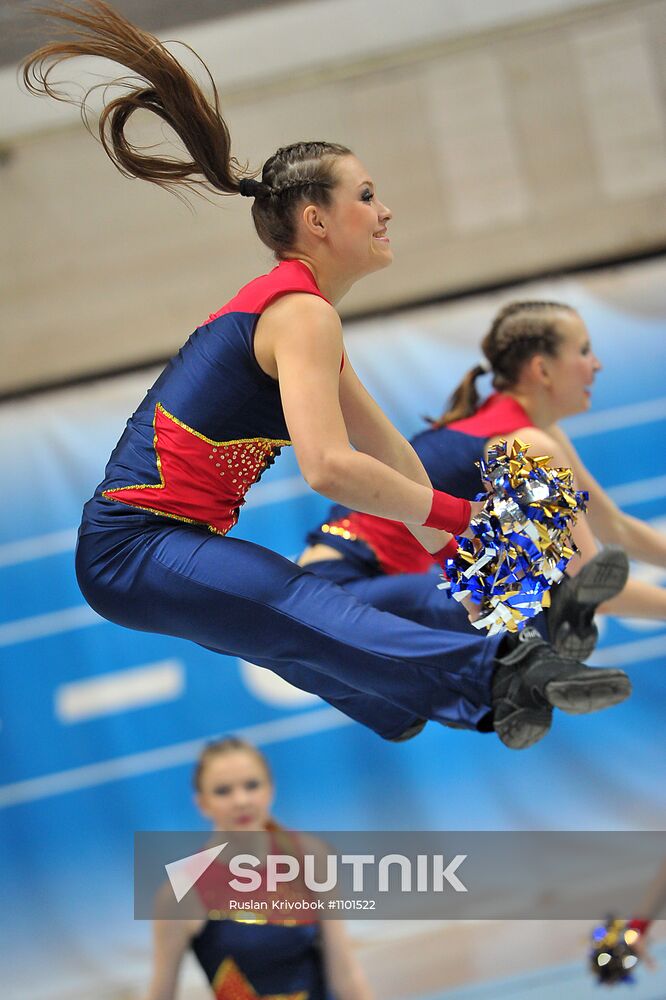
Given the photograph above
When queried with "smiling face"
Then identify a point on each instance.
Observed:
(235, 791)
(571, 373)
(354, 225)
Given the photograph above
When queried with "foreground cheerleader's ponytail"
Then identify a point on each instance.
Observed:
(303, 171)
(169, 91)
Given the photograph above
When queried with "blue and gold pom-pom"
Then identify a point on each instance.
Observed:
(612, 957)
(522, 538)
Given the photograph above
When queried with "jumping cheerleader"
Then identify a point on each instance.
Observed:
(265, 371)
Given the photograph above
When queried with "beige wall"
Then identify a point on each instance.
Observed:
(503, 154)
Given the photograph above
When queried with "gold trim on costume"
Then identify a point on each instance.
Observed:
(274, 443)
(338, 528)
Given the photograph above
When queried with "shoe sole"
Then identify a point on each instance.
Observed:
(576, 645)
(410, 733)
(602, 578)
(521, 729)
(578, 696)
(598, 581)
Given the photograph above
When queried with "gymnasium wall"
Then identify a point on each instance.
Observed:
(509, 140)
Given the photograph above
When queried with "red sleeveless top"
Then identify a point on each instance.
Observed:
(213, 422)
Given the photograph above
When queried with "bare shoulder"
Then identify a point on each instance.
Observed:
(301, 306)
(537, 440)
(295, 322)
(561, 437)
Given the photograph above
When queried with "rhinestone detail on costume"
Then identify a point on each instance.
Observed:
(201, 481)
(340, 528)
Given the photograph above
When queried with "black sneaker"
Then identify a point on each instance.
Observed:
(531, 679)
(521, 714)
(574, 601)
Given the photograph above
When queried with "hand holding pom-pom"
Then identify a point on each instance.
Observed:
(520, 542)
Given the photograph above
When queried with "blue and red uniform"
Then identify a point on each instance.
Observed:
(257, 960)
(256, 954)
(383, 563)
(154, 552)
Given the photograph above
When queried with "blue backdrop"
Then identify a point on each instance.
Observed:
(81, 768)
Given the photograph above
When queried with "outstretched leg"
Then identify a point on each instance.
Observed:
(243, 600)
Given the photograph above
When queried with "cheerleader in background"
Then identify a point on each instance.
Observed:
(543, 369)
(242, 953)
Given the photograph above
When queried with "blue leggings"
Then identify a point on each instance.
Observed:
(243, 600)
(410, 595)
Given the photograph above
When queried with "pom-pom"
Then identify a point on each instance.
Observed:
(612, 957)
(522, 538)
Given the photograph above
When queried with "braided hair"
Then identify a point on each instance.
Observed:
(519, 331)
(303, 171)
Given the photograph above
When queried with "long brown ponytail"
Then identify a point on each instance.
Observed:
(519, 331)
(170, 93)
(303, 170)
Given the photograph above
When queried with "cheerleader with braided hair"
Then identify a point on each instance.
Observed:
(543, 367)
(266, 371)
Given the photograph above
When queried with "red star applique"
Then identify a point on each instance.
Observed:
(231, 984)
(201, 481)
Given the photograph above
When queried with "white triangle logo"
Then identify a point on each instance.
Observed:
(185, 872)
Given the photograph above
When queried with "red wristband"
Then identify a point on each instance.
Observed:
(448, 513)
(448, 552)
(638, 925)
